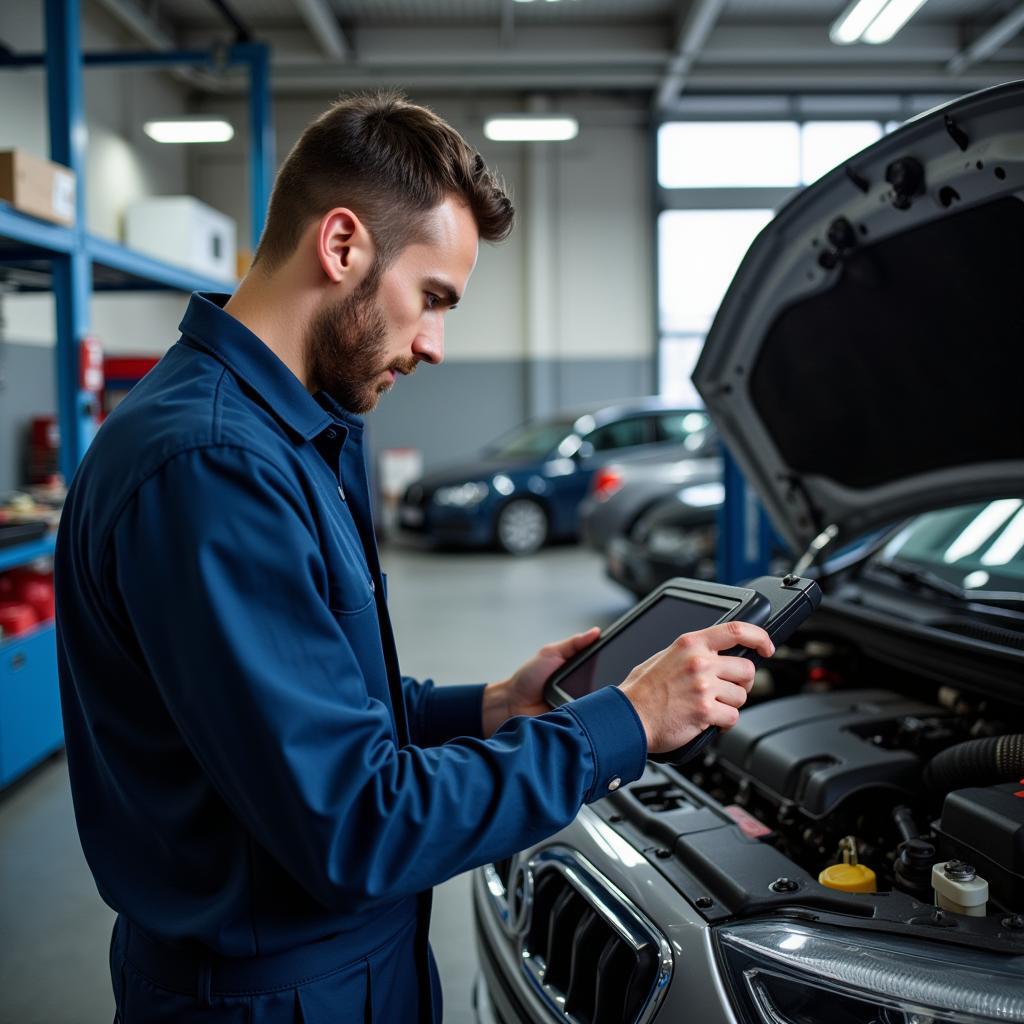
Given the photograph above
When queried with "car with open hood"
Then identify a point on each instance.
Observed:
(853, 849)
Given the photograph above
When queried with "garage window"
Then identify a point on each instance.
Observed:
(719, 183)
(728, 154)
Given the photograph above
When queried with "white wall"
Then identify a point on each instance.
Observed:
(594, 227)
(122, 165)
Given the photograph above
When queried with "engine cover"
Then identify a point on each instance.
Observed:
(817, 750)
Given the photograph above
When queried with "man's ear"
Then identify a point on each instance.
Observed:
(344, 247)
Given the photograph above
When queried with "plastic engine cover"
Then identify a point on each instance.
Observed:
(816, 750)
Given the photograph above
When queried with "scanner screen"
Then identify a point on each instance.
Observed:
(645, 635)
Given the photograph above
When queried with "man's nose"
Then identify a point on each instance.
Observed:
(429, 345)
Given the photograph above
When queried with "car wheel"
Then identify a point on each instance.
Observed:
(522, 527)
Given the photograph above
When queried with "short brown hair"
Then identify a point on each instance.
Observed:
(388, 160)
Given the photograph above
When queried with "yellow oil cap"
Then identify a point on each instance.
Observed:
(849, 878)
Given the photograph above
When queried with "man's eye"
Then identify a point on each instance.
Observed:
(433, 301)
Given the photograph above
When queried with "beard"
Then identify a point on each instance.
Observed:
(346, 347)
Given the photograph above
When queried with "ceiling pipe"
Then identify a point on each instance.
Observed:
(242, 32)
(324, 27)
(150, 34)
(697, 26)
(508, 21)
(988, 42)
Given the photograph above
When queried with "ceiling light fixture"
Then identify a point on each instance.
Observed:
(190, 128)
(873, 21)
(896, 14)
(531, 128)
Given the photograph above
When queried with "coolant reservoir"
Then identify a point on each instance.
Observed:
(958, 888)
(849, 876)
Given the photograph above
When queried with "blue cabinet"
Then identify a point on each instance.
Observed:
(30, 722)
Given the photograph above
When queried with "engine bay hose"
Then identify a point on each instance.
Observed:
(986, 761)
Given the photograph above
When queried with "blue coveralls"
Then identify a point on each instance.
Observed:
(261, 796)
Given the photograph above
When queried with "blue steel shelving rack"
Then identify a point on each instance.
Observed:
(75, 263)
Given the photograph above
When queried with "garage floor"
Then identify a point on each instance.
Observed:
(458, 617)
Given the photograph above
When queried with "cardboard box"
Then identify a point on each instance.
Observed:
(37, 186)
(183, 231)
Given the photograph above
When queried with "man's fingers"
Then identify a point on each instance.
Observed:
(574, 644)
(737, 670)
(732, 694)
(724, 715)
(738, 634)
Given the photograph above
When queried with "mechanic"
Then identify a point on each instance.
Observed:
(261, 796)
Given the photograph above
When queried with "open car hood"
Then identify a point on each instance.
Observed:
(867, 361)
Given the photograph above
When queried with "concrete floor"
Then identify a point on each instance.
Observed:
(459, 617)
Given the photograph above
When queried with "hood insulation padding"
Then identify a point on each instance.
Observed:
(913, 361)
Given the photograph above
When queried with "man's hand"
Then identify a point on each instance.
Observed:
(523, 693)
(683, 689)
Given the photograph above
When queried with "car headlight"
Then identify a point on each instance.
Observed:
(462, 495)
(703, 495)
(678, 542)
(788, 973)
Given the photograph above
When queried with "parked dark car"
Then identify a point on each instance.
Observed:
(526, 488)
(853, 849)
(620, 492)
(676, 536)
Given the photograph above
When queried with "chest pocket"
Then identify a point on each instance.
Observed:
(350, 595)
(349, 584)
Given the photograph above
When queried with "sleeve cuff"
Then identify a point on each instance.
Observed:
(456, 711)
(617, 739)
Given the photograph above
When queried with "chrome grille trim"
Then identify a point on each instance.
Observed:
(514, 906)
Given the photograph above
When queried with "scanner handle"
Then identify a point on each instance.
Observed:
(691, 749)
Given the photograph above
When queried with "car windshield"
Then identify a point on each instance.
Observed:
(531, 440)
(972, 547)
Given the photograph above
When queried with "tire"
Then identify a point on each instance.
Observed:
(521, 527)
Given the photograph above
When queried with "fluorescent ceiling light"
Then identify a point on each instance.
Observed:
(531, 128)
(873, 21)
(850, 25)
(896, 14)
(199, 128)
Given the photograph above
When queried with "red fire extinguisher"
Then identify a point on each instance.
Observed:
(91, 380)
(91, 366)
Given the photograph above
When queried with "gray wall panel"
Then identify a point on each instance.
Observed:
(26, 390)
(451, 411)
(448, 412)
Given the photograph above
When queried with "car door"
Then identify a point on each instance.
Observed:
(690, 430)
(602, 445)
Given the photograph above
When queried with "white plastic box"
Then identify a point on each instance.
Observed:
(183, 231)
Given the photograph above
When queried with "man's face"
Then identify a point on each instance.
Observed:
(357, 345)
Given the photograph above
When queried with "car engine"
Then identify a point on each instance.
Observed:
(892, 784)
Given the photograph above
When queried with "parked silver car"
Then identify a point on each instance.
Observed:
(622, 491)
(853, 850)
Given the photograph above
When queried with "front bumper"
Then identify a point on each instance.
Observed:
(694, 989)
(469, 527)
